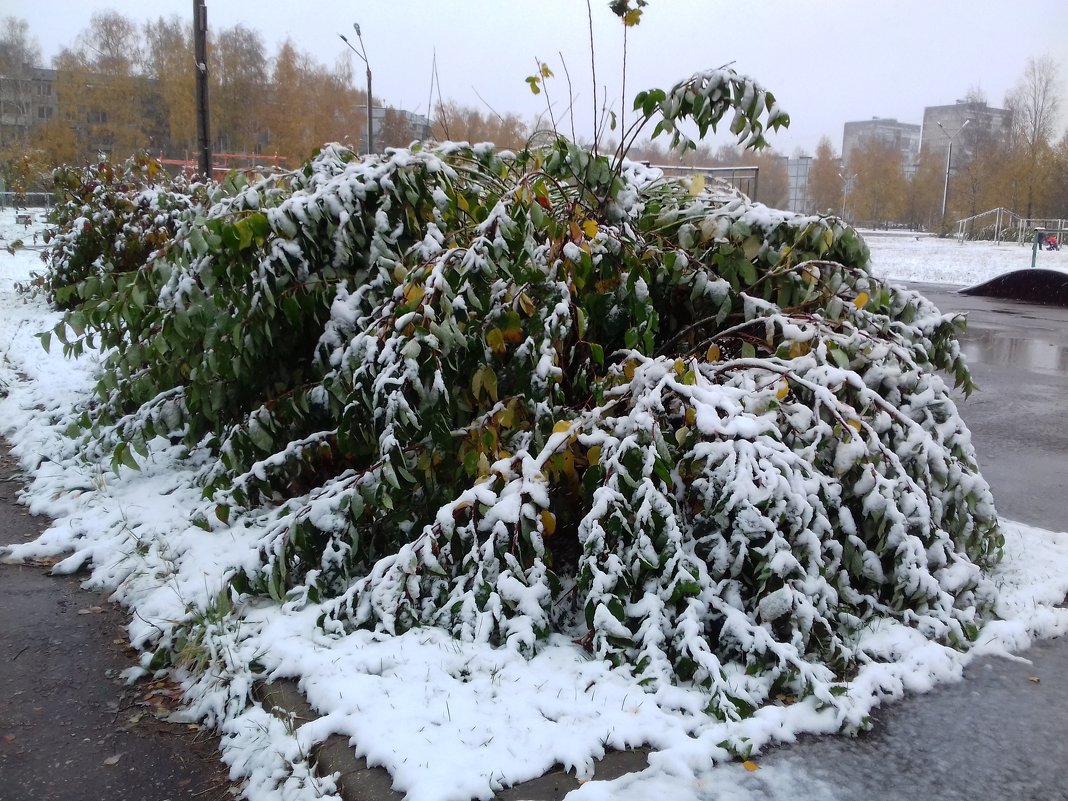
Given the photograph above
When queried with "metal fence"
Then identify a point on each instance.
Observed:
(744, 179)
(27, 200)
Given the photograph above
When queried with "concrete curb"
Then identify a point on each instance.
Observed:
(358, 782)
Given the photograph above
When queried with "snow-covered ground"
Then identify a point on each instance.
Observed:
(448, 720)
(903, 256)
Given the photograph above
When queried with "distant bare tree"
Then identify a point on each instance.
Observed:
(168, 63)
(239, 72)
(100, 89)
(1034, 102)
(19, 54)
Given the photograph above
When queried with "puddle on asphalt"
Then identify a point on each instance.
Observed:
(1035, 355)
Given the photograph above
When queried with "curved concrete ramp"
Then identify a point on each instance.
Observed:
(1047, 287)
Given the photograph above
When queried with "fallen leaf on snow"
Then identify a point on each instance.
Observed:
(1034, 679)
(750, 765)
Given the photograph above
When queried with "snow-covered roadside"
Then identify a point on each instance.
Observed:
(448, 720)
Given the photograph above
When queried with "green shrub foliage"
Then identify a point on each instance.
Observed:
(512, 394)
(110, 220)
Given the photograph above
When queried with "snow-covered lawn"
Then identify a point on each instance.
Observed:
(902, 256)
(448, 720)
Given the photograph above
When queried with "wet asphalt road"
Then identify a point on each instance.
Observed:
(1018, 354)
(70, 729)
(1001, 734)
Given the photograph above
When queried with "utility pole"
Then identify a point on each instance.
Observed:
(200, 51)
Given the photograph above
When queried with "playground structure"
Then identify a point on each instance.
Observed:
(1005, 225)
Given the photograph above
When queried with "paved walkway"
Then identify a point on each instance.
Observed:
(70, 730)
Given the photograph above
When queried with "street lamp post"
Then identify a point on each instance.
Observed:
(847, 187)
(949, 160)
(362, 53)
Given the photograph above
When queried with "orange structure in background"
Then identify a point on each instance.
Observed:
(225, 162)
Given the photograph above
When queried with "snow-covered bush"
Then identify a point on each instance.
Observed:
(109, 219)
(517, 393)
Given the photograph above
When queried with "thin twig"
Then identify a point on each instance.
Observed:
(571, 94)
(593, 71)
(441, 103)
(487, 105)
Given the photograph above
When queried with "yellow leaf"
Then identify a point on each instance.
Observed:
(751, 247)
(681, 434)
(507, 417)
(561, 427)
(799, 349)
(593, 455)
(590, 228)
(568, 465)
(854, 424)
(713, 353)
(526, 304)
(680, 367)
(783, 391)
(632, 17)
(495, 339)
(399, 273)
(750, 765)
(476, 383)
(545, 71)
(490, 381)
(414, 293)
(548, 522)
(861, 300)
(483, 465)
(461, 203)
(697, 185)
(628, 369)
(691, 415)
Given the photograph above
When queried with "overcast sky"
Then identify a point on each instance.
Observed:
(827, 61)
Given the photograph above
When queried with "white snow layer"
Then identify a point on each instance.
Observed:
(449, 721)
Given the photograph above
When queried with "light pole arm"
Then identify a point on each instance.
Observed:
(362, 53)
